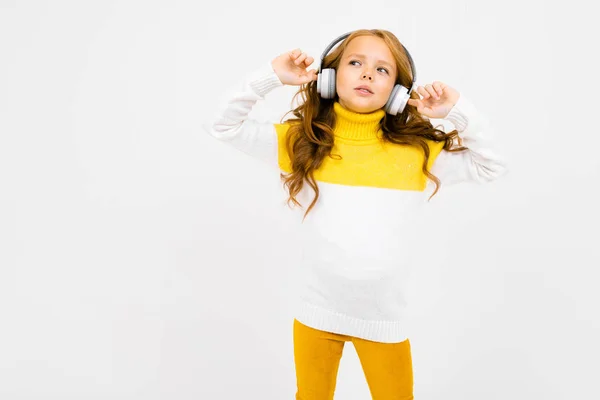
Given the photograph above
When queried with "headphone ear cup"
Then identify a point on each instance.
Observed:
(397, 100)
(326, 83)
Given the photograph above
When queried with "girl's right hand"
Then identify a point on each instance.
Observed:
(291, 67)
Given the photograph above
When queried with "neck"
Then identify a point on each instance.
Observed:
(355, 126)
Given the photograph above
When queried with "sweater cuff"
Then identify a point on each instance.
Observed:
(459, 114)
(468, 121)
(264, 79)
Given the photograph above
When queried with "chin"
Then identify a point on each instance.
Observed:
(364, 108)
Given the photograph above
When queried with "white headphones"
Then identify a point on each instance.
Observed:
(398, 98)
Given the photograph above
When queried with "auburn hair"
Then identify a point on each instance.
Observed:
(310, 136)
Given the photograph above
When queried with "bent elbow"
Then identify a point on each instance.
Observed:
(220, 131)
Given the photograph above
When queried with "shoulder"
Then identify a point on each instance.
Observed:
(284, 126)
(282, 130)
(435, 148)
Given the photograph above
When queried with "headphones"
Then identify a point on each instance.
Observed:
(398, 98)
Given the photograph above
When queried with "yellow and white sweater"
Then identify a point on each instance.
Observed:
(355, 257)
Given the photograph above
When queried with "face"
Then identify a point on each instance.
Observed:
(366, 61)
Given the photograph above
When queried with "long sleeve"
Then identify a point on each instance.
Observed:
(480, 163)
(232, 124)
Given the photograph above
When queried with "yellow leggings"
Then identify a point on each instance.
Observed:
(387, 366)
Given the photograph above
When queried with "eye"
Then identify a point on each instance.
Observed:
(356, 61)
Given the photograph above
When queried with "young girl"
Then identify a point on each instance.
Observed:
(362, 153)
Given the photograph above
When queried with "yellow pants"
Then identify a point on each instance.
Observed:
(387, 366)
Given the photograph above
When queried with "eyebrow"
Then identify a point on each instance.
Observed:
(362, 56)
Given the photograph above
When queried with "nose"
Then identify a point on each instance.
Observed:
(366, 75)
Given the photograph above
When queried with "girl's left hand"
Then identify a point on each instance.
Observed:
(437, 100)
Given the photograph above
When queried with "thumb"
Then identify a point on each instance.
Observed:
(414, 102)
(310, 76)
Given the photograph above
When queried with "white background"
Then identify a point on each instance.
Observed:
(142, 259)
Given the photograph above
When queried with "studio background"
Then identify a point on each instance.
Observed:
(141, 258)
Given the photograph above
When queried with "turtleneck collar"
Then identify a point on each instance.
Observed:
(355, 126)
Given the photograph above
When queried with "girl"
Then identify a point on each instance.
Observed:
(362, 153)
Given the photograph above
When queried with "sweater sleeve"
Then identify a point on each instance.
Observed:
(479, 163)
(231, 124)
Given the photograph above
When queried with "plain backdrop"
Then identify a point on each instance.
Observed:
(141, 258)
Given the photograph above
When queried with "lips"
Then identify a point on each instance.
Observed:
(365, 88)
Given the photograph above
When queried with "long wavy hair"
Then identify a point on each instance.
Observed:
(310, 136)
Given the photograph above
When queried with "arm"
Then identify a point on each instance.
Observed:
(232, 124)
(479, 163)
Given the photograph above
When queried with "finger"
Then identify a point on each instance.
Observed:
(421, 90)
(431, 91)
(414, 102)
(311, 75)
(438, 88)
(307, 61)
(300, 59)
(306, 77)
(294, 53)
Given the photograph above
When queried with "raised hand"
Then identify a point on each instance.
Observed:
(291, 68)
(437, 100)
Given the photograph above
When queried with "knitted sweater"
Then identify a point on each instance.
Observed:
(355, 257)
